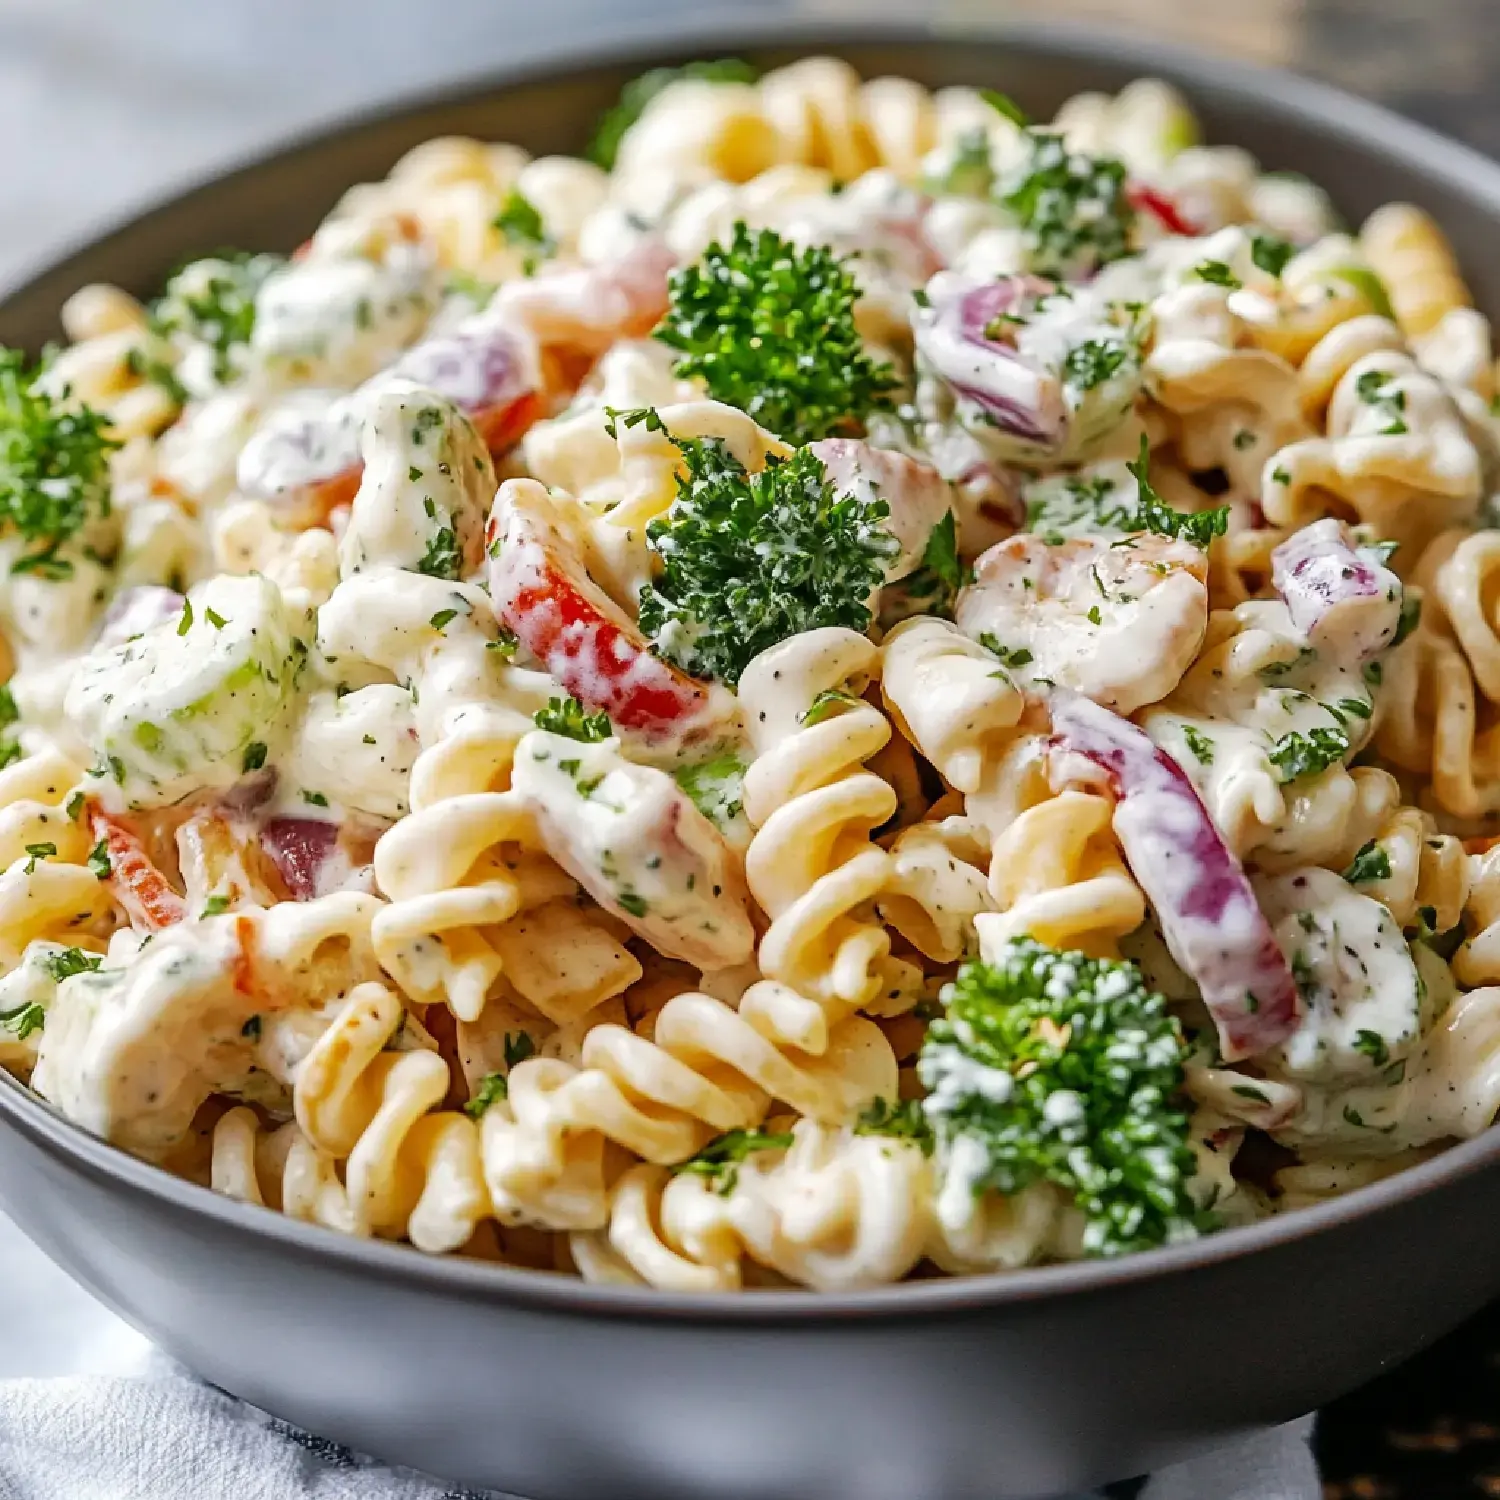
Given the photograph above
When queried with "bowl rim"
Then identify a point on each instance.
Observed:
(1296, 99)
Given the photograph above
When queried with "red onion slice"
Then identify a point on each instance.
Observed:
(1209, 916)
(1340, 599)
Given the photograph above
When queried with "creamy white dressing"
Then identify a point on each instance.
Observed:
(1119, 622)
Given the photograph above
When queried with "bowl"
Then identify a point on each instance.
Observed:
(1001, 1387)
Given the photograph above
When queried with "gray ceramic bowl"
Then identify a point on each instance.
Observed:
(1004, 1386)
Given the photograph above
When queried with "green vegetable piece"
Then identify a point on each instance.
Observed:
(1051, 1066)
(1270, 252)
(1199, 743)
(517, 1046)
(442, 559)
(1091, 363)
(769, 328)
(521, 224)
(1374, 1046)
(750, 559)
(1010, 656)
(825, 704)
(715, 786)
(98, 860)
(902, 1119)
(23, 1020)
(1369, 285)
(933, 586)
(1216, 273)
(36, 853)
(492, 1089)
(70, 961)
(212, 301)
(1005, 106)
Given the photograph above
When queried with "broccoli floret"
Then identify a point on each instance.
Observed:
(639, 92)
(54, 465)
(1073, 207)
(770, 329)
(750, 559)
(1055, 1067)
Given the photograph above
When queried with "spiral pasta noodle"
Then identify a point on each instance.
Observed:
(812, 865)
(49, 895)
(709, 1069)
(1415, 261)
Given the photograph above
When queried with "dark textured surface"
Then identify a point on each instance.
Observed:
(1429, 1430)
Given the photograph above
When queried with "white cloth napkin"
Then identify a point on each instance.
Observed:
(90, 1411)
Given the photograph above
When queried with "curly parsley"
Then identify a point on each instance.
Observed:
(54, 465)
(770, 329)
(1051, 1066)
(750, 559)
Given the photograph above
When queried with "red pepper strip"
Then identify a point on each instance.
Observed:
(542, 592)
(1161, 207)
(134, 881)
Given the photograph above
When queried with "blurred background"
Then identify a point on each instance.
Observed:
(107, 104)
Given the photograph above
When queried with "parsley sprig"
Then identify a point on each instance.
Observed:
(770, 329)
(750, 559)
(1154, 514)
(1051, 1066)
(567, 716)
(54, 465)
(719, 1161)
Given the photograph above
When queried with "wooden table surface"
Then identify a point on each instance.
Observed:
(106, 105)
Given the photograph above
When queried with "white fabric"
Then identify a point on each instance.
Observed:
(90, 1411)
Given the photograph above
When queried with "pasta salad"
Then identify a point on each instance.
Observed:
(851, 686)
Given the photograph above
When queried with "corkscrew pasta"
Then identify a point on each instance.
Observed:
(849, 686)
